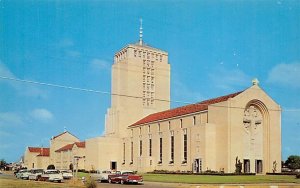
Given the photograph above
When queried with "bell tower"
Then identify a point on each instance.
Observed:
(140, 85)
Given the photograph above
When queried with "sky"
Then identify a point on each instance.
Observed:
(215, 48)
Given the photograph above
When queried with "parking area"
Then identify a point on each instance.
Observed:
(151, 184)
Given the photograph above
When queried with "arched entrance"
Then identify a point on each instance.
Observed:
(255, 120)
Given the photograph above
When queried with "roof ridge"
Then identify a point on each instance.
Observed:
(190, 108)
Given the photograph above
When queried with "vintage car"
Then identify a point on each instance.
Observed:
(51, 175)
(20, 172)
(101, 175)
(35, 174)
(124, 177)
(67, 174)
(25, 175)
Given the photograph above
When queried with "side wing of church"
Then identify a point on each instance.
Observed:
(213, 135)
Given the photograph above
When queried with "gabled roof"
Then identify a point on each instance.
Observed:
(80, 144)
(188, 109)
(40, 150)
(36, 149)
(54, 137)
(44, 153)
(70, 146)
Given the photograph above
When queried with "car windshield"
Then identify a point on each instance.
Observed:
(52, 172)
(125, 173)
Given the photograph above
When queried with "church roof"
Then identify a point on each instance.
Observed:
(54, 137)
(188, 109)
(70, 146)
(41, 151)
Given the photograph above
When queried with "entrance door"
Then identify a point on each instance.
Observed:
(113, 165)
(258, 166)
(197, 165)
(246, 166)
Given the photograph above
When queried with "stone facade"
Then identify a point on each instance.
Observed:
(36, 158)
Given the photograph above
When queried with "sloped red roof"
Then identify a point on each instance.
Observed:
(80, 144)
(188, 109)
(45, 152)
(41, 151)
(62, 134)
(70, 146)
(65, 148)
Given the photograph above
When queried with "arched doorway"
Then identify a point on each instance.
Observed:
(254, 121)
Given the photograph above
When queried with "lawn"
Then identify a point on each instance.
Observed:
(207, 179)
(11, 182)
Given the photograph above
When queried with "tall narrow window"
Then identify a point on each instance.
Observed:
(141, 147)
(160, 150)
(169, 125)
(172, 148)
(184, 147)
(194, 120)
(180, 123)
(158, 126)
(124, 153)
(131, 156)
(150, 147)
(149, 130)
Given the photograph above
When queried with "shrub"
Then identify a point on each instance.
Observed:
(90, 183)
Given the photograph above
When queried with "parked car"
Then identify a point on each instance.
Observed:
(35, 174)
(67, 174)
(51, 175)
(101, 175)
(20, 172)
(123, 177)
(25, 175)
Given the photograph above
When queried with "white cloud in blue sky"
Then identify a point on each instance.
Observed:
(42, 114)
(286, 75)
(10, 119)
(100, 64)
(229, 79)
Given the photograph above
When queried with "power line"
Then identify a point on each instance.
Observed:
(122, 95)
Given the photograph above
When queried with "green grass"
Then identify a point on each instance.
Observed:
(83, 174)
(11, 182)
(207, 179)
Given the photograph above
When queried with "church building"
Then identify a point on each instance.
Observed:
(142, 133)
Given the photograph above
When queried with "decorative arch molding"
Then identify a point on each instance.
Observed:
(256, 137)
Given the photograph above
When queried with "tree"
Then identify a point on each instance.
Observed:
(2, 163)
(293, 162)
(51, 167)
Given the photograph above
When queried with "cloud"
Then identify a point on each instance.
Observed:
(99, 64)
(227, 79)
(21, 88)
(41, 114)
(10, 118)
(66, 46)
(4, 71)
(182, 92)
(65, 43)
(5, 134)
(286, 75)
